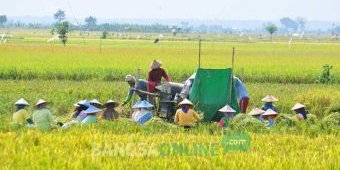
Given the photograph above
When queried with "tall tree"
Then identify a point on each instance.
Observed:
(271, 28)
(301, 22)
(59, 15)
(289, 23)
(90, 22)
(3, 19)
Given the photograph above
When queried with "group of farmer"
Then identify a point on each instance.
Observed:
(86, 112)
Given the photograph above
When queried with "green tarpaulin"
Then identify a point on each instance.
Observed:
(211, 91)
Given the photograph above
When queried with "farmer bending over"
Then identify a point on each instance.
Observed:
(141, 85)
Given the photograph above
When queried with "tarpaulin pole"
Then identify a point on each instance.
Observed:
(231, 77)
(199, 53)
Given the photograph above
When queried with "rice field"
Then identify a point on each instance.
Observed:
(112, 59)
(34, 69)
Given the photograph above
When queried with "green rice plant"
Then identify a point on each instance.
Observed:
(250, 124)
(286, 120)
(331, 123)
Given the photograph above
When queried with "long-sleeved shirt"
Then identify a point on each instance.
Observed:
(187, 86)
(240, 90)
(155, 77)
(81, 116)
(42, 119)
(186, 119)
(141, 85)
(20, 117)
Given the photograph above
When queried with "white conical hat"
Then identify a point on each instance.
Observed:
(185, 101)
(113, 102)
(41, 101)
(269, 98)
(298, 106)
(155, 64)
(269, 112)
(256, 111)
(22, 101)
(95, 101)
(227, 108)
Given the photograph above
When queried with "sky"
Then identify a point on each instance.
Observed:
(266, 10)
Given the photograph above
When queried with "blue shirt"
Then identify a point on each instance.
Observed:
(268, 105)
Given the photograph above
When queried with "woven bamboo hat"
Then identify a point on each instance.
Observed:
(269, 98)
(155, 64)
(298, 106)
(227, 108)
(256, 111)
(269, 112)
(185, 101)
(21, 101)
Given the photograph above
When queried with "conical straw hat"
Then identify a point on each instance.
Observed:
(155, 64)
(298, 106)
(185, 101)
(269, 112)
(143, 104)
(136, 104)
(269, 98)
(22, 101)
(256, 111)
(92, 109)
(41, 101)
(112, 102)
(84, 103)
(95, 101)
(227, 108)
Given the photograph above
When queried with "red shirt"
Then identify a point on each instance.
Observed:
(155, 77)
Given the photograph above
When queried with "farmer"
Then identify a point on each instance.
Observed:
(241, 94)
(185, 114)
(83, 105)
(91, 117)
(141, 85)
(96, 103)
(110, 113)
(155, 75)
(143, 113)
(300, 110)
(229, 114)
(78, 115)
(269, 100)
(21, 117)
(256, 113)
(187, 86)
(42, 117)
(270, 115)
